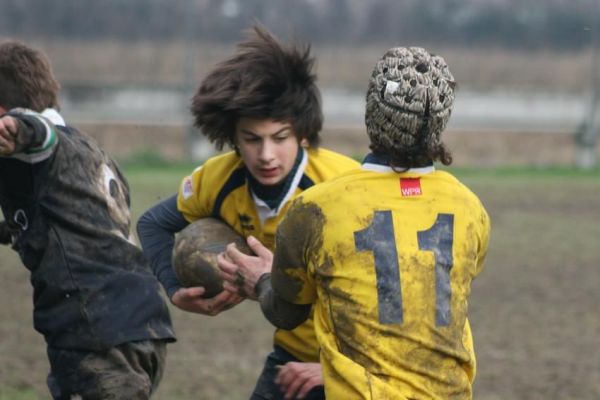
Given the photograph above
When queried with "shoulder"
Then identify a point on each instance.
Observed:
(325, 164)
(335, 189)
(209, 184)
(447, 178)
(218, 169)
(226, 158)
(322, 155)
(221, 163)
(458, 189)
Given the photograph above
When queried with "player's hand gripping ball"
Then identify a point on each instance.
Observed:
(195, 253)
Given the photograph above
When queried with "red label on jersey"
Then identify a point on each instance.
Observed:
(410, 186)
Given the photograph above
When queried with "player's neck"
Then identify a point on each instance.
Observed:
(273, 195)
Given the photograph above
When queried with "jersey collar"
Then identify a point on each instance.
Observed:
(264, 211)
(378, 163)
(53, 116)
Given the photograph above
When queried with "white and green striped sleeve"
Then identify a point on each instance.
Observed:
(44, 138)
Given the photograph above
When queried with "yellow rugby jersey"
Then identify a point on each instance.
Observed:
(388, 259)
(219, 189)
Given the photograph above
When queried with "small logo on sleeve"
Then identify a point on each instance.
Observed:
(410, 187)
(188, 189)
(246, 222)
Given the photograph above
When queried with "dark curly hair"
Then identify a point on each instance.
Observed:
(26, 78)
(263, 79)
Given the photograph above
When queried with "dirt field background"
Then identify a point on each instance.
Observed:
(533, 309)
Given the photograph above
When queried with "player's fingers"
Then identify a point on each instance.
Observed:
(258, 248)
(284, 375)
(230, 278)
(6, 142)
(236, 298)
(234, 254)
(235, 275)
(220, 300)
(225, 265)
(212, 306)
(227, 278)
(12, 125)
(223, 301)
(293, 387)
(192, 292)
(225, 297)
(182, 298)
(306, 387)
(8, 127)
(231, 287)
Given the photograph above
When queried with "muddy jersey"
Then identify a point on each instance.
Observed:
(220, 189)
(388, 258)
(67, 206)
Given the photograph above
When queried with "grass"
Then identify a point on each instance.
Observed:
(533, 309)
(25, 394)
(526, 172)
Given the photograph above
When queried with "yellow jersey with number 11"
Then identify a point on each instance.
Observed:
(388, 258)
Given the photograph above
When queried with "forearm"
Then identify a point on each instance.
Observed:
(156, 230)
(279, 312)
(32, 133)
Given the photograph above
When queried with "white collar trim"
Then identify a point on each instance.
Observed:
(264, 211)
(53, 116)
(385, 168)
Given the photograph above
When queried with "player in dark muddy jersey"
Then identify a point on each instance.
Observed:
(66, 209)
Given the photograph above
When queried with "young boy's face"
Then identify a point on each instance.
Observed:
(267, 147)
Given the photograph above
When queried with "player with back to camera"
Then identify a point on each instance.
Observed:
(66, 209)
(264, 103)
(386, 253)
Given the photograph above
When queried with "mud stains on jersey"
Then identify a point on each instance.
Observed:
(300, 236)
(344, 326)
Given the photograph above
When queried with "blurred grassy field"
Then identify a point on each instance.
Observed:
(533, 309)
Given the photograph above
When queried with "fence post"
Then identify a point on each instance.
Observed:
(586, 137)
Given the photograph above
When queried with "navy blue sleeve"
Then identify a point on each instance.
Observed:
(279, 312)
(156, 230)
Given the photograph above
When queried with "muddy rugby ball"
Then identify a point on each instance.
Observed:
(195, 253)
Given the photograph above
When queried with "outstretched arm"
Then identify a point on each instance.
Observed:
(20, 132)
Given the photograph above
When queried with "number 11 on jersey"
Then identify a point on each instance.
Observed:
(379, 238)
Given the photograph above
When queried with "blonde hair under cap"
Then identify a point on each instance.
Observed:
(409, 102)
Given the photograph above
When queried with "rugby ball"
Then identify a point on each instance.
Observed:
(195, 253)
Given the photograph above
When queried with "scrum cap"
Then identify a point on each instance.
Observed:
(409, 100)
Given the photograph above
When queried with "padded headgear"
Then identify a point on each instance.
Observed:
(409, 99)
